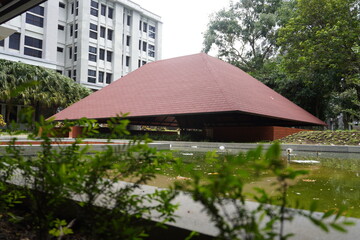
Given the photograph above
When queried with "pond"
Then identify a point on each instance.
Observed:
(331, 182)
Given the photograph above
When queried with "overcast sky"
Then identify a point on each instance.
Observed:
(184, 22)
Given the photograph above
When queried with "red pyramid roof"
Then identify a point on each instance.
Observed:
(193, 84)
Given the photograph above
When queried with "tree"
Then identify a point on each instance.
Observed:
(245, 34)
(319, 46)
(43, 89)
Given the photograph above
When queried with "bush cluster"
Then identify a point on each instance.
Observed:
(103, 207)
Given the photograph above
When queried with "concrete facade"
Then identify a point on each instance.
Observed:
(93, 42)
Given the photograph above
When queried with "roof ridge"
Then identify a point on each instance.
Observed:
(215, 76)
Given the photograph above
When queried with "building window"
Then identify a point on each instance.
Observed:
(110, 13)
(70, 52)
(151, 50)
(72, 8)
(61, 5)
(152, 31)
(93, 27)
(102, 31)
(108, 78)
(34, 20)
(101, 77)
(32, 52)
(128, 40)
(139, 44)
(37, 10)
(141, 63)
(71, 30)
(33, 47)
(74, 74)
(103, 10)
(14, 41)
(94, 10)
(109, 56)
(144, 46)
(69, 73)
(93, 31)
(140, 25)
(92, 50)
(75, 53)
(59, 71)
(61, 27)
(128, 21)
(152, 28)
(127, 61)
(59, 49)
(145, 27)
(1, 43)
(77, 8)
(38, 18)
(102, 54)
(91, 76)
(76, 31)
(110, 34)
(94, 4)
(92, 53)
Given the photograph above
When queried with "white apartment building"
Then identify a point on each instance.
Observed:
(93, 42)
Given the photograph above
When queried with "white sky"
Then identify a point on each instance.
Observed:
(184, 21)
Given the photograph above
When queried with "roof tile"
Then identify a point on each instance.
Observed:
(185, 85)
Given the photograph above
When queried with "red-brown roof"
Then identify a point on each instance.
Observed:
(194, 84)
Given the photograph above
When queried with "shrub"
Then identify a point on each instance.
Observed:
(106, 207)
(2, 122)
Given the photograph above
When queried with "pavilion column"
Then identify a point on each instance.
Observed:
(75, 131)
(208, 133)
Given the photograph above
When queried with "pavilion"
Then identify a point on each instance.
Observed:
(196, 92)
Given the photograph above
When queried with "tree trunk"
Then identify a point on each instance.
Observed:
(37, 111)
(317, 107)
(8, 107)
(346, 120)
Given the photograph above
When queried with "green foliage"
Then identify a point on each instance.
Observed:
(107, 207)
(346, 103)
(324, 137)
(2, 122)
(319, 44)
(245, 34)
(43, 89)
(223, 198)
(9, 195)
(60, 228)
(9, 198)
